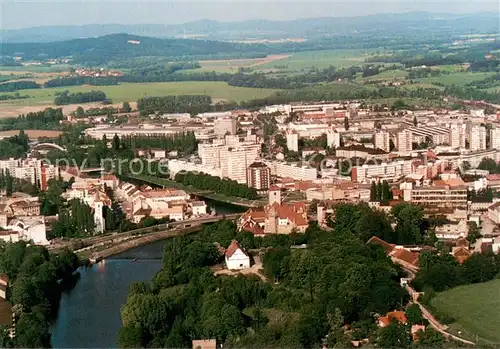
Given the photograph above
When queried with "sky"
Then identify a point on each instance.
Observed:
(31, 13)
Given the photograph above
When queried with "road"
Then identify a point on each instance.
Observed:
(96, 241)
(428, 315)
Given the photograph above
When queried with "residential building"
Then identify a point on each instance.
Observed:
(235, 257)
(381, 140)
(276, 217)
(291, 170)
(176, 166)
(33, 171)
(224, 126)
(259, 176)
(292, 141)
(332, 138)
(25, 229)
(495, 138)
(396, 315)
(384, 171)
(198, 208)
(477, 137)
(440, 194)
(452, 231)
(435, 135)
(458, 135)
(494, 213)
(360, 151)
(404, 140)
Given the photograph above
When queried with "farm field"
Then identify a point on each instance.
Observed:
(32, 134)
(232, 65)
(318, 59)
(459, 79)
(131, 92)
(474, 308)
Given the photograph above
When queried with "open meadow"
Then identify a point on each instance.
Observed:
(32, 134)
(459, 79)
(474, 308)
(132, 92)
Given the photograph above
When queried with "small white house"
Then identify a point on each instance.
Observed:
(236, 258)
(199, 208)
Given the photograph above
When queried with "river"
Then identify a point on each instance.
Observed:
(89, 314)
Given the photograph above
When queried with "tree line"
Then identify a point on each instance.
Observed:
(36, 281)
(46, 119)
(14, 147)
(65, 97)
(219, 185)
(183, 142)
(13, 86)
(175, 104)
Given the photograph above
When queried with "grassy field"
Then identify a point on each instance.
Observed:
(459, 79)
(475, 309)
(318, 59)
(131, 92)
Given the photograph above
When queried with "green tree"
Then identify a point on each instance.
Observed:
(346, 123)
(395, 335)
(115, 144)
(126, 107)
(414, 314)
(79, 112)
(373, 192)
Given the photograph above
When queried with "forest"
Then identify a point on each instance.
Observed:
(36, 280)
(47, 119)
(219, 185)
(65, 97)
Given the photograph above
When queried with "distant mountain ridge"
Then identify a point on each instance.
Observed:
(311, 28)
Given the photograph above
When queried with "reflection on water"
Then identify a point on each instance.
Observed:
(89, 314)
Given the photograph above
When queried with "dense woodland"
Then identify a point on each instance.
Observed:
(219, 185)
(36, 280)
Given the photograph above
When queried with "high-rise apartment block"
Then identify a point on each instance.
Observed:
(381, 140)
(259, 176)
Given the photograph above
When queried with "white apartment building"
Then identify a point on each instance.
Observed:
(31, 170)
(458, 135)
(404, 139)
(332, 138)
(438, 135)
(381, 140)
(176, 166)
(223, 126)
(292, 141)
(477, 137)
(472, 157)
(308, 130)
(294, 171)
(495, 138)
(385, 171)
(143, 130)
(440, 196)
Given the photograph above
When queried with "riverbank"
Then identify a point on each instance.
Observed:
(164, 182)
(105, 251)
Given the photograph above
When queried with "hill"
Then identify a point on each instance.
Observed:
(102, 49)
(313, 28)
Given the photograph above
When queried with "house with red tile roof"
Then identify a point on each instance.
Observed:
(396, 315)
(399, 254)
(236, 257)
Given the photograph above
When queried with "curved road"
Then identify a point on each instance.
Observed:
(427, 314)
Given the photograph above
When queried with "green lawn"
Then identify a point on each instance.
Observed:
(319, 59)
(131, 92)
(475, 308)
